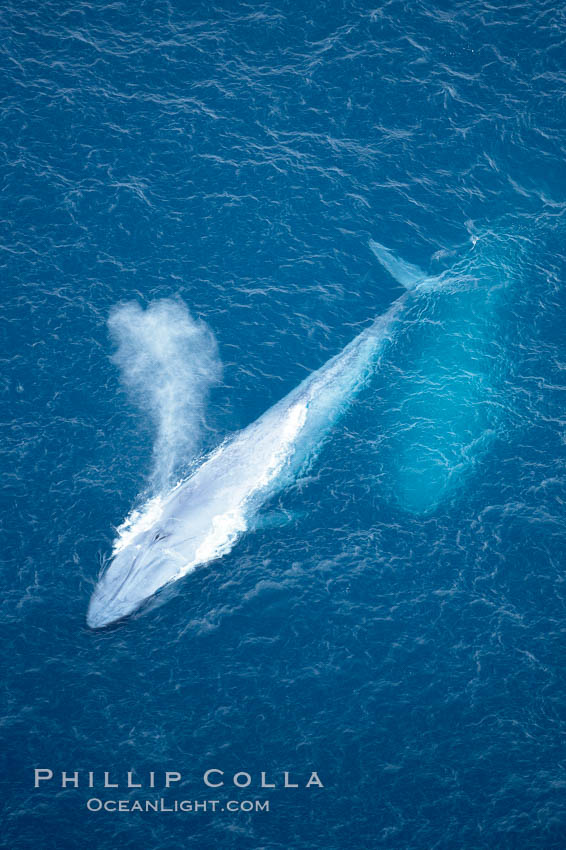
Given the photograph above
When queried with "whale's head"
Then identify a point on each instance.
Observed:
(134, 574)
(194, 527)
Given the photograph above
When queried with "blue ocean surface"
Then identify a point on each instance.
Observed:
(403, 633)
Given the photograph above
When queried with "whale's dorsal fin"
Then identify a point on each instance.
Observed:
(404, 273)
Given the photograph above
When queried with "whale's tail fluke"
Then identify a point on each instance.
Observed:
(404, 273)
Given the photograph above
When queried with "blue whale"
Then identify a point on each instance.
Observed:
(203, 517)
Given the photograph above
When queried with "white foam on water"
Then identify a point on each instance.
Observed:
(136, 522)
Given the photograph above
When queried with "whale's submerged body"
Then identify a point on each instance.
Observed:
(446, 402)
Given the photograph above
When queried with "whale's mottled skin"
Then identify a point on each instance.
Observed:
(202, 518)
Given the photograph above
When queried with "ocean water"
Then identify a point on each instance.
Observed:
(406, 641)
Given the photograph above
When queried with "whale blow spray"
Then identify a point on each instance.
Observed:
(168, 362)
